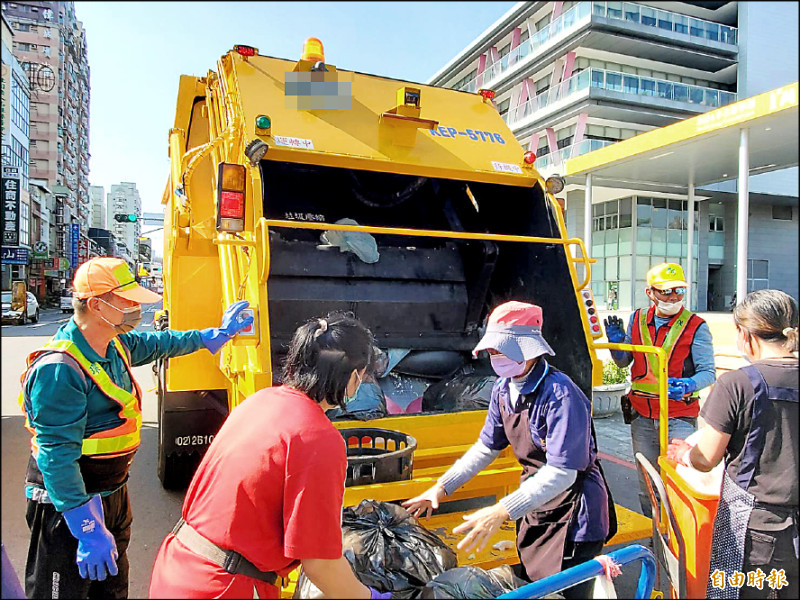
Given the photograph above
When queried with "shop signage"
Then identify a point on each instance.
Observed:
(63, 264)
(73, 253)
(11, 205)
(40, 250)
(83, 251)
(15, 256)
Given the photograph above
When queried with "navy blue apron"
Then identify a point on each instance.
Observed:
(735, 502)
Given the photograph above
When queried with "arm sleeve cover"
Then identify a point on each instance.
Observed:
(703, 357)
(546, 484)
(477, 458)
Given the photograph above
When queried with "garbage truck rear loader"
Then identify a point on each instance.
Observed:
(441, 213)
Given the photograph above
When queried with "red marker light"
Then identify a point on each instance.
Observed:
(487, 94)
(593, 318)
(232, 205)
(529, 157)
(245, 50)
(595, 327)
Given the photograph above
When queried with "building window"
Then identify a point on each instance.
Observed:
(757, 275)
(781, 213)
(716, 223)
(24, 224)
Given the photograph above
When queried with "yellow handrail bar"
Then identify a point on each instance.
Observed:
(421, 232)
(661, 376)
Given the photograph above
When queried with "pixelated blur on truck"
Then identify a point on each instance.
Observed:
(456, 221)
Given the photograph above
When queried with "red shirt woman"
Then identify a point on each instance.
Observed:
(268, 494)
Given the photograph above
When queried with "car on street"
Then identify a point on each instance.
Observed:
(21, 316)
(66, 301)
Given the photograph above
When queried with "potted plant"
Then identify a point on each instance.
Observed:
(606, 398)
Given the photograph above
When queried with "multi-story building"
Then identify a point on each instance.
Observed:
(123, 199)
(572, 77)
(50, 44)
(97, 194)
(15, 152)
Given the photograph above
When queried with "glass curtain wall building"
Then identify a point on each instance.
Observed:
(573, 77)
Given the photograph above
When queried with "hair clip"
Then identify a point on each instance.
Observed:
(323, 327)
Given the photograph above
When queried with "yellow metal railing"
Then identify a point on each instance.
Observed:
(464, 235)
(661, 376)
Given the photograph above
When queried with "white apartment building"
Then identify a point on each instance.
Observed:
(123, 199)
(97, 196)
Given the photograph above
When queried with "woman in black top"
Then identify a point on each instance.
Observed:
(752, 421)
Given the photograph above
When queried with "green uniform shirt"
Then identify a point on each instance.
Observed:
(64, 409)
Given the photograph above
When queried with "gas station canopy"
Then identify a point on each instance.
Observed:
(703, 149)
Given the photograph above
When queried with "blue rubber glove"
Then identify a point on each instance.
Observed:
(679, 387)
(376, 595)
(216, 337)
(97, 550)
(615, 331)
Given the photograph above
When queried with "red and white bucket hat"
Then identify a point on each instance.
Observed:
(515, 329)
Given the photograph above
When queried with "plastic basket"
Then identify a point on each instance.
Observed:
(695, 513)
(378, 456)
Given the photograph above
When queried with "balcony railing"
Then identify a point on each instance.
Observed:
(561, 25)
(624, 11)
(625, 83)
(666, 21)
(562, 155)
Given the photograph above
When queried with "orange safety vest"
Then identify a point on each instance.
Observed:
(118, 441)
(675, 337)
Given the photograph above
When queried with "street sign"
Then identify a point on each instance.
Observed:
(15, 256)
(73, 255)
(11, 196)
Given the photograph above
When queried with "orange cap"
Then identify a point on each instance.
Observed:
(106, 274)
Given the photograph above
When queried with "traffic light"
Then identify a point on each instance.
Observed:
(129, 218)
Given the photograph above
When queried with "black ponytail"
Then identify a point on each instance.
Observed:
(322, 355)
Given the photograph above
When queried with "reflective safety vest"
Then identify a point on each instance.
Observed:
(124, 438)
(675, 337)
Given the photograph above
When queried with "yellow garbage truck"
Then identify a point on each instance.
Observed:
(304, 189)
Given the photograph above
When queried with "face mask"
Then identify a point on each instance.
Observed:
(131, 317)
(669, 308)
(505, 367)
(349, 399)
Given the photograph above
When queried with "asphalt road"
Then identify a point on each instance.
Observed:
(155, 510)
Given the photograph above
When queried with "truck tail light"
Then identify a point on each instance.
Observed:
(487, 94)
(231, 190)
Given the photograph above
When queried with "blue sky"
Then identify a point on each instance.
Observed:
(138, 50)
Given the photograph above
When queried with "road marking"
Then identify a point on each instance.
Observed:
(619, 461)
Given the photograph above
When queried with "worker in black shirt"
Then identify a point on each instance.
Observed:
(752, 420)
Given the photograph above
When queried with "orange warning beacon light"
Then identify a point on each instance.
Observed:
(312, 50)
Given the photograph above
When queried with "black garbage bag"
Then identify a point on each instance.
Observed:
(389, 550)
(461, 391)
(472, 582)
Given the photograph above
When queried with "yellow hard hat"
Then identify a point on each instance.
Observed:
(666, 276)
